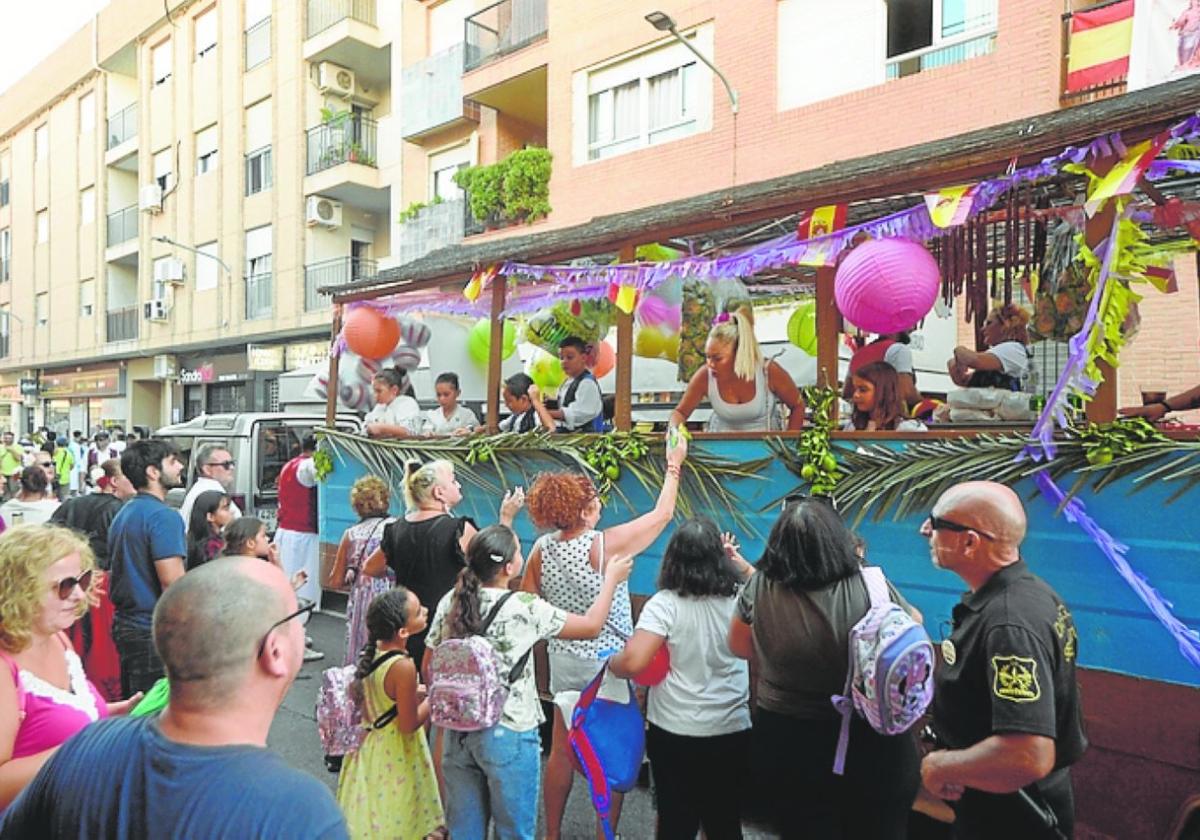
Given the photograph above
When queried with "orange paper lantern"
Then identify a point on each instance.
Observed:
(606, 358)
(369, 333)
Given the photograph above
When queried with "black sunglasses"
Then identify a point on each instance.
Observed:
(306, 607)
(796, 498)
(67, 585)
(937, 523)
(226, 464)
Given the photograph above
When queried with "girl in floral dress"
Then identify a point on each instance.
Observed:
(370, 499)
(387, 787)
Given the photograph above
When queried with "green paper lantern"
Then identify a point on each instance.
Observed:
(802, 327)
(546, 371)
(479, 341)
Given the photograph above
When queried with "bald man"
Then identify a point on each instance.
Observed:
(231, 643)
(1006, 704)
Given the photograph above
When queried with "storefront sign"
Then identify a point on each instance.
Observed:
(27, 388)
(305, 353)
(100, 382)
(193, 376)
(13, 393)
(266, 357)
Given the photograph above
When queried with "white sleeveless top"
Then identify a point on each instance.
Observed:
(570, 583)
(757, 415)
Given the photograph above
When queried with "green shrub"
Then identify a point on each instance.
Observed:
(515, 189)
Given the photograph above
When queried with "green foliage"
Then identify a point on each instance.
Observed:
(413, 210)
(820, 464)
(513, 190)
(323, 464)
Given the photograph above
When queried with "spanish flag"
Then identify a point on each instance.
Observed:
(821, 220)
(623, 297)
(478, 281)
(1099, 46)
(1124, 175)
(950, 207)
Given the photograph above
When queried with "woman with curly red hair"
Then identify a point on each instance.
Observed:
(566, 568)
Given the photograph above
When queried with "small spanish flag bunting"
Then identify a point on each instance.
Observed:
(1123, 177)
(1101, 40)
(478, 281)
(821, 220)
(951, 206)
(623, 297)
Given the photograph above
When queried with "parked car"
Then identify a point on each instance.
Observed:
(260, 443)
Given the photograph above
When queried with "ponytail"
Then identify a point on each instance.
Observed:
(737, 330)
(387, 615)
(488, 553)
(420, 479)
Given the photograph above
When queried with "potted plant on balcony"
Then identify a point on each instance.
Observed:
(516, 189)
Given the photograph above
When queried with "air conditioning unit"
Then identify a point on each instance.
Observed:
(165, 366)
(323, 211)
(155, 310)
(170, 270)
(150, 198)
(335, 79)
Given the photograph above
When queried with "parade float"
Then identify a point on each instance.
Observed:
(1110, 504)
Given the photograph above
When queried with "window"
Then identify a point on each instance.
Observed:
(207, 266)
(163, 169)
(87, 206)
(160, 62)
(258, 141)
(5, 331)
(41, 142)
(87, 113)
(258, 32)
(4, 175)
(206, 33)
(939, 32)
(5, 254)
(87, 298)
(227, 398)
(42, 309)
(206, 150)
(658, 96)
(442, 167)
(43, 226)
(258, 273)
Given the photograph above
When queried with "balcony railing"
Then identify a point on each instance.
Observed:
(335, 272)
(432, 93)
(436, 226)
(122, 324)
(122, 225)
(4, 193)
(941, 55)
(4, 345)
(342, 140)
(4, 270)
(502, 28)
(323, 14)
(258, 296)
(1104, 90)
(122, 126)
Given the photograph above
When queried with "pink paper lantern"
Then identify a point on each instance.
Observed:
(886, 285)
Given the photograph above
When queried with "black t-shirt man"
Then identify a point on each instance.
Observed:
(1009, 667)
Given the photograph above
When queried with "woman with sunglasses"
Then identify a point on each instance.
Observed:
(46, 576)
(794, 617)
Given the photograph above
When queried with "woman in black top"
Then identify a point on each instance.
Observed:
(426, 548)
(795, 617)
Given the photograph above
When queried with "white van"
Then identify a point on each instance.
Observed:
(261, 443)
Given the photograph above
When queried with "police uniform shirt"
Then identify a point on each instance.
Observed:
(1009, 667)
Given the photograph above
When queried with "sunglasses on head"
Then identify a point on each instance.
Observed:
(937, 523)
(67, 585)
(796, 498)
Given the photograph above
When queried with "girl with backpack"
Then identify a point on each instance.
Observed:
(795, 616)
(493, 774)
(370, 499)
(699, 714)
(387, 787)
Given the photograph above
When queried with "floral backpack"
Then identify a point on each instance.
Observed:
(890, 679)
(339, 718)
(467, 688)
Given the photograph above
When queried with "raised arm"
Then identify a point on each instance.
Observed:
(637, 535)
(548, 418)
(692, 397)
(784, 388)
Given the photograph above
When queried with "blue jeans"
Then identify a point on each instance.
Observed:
(496, 774)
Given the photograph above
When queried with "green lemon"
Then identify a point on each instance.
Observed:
(612, 471)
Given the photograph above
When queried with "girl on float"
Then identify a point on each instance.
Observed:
(875, 395)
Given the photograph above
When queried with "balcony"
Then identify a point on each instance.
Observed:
(1092, 93)
(344, 32)
(121, 147)
(342, 163)
(940, 55)
(258, 296)
(435, 226)
(122, 225)
(122, 324)
(432, 94)
(5, 271)
(335, 272)
(502, 28)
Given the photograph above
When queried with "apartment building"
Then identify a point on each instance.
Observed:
(174, 188)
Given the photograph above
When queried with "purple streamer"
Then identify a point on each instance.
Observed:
(1076, 512)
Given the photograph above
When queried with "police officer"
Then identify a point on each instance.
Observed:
(1006, 708)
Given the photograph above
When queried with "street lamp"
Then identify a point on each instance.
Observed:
(168, 241)
(664, 23)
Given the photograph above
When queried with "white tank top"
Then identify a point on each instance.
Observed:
(757, 415)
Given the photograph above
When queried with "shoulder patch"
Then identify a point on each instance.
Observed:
(1014, 678)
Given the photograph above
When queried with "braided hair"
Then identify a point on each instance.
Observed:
(386, 616)
(488, 553)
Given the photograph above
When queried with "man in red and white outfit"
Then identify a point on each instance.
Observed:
(296, 537)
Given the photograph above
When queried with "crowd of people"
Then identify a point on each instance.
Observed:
(111, 592)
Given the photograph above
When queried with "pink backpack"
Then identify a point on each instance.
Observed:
(339, 719)
(467, 688)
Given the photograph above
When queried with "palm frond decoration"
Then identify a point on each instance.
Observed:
(490, 463)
